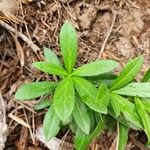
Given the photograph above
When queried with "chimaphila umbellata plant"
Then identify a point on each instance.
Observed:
(87, 97)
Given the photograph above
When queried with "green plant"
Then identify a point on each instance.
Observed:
(87, 97)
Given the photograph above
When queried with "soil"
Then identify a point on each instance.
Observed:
(107, 29)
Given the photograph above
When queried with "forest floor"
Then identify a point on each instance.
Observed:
(107, 29)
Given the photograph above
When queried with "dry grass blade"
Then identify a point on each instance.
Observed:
(19, 120)
(3, 125)
(20, 51)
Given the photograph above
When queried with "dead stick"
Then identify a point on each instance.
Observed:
(34, 47)
(108, 34)
(3, 126)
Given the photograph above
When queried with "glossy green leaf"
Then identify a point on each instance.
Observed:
(135, 89)
(105, 76)
(51, 124)
(133, 118)
(123, 120)
(34, 90)
(98, 130)
(102, 98)
(81, 116)
(68, 44)
(73, 126)
(128, 73)
(128, 109)
(50, 68)
(64, 98)
(116, 105)
(43, 104)
(146, 103)
(144, 116)
(87, 93)
(81, 140)
(106, 79)
(95, 68)
(146, 76)
(84, 87)
(92, 118)
(51, 57)
(122, 136)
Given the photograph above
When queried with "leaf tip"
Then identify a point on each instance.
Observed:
(36, 64)
(18, 94)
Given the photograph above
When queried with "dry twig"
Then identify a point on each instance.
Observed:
(3, 125)
(34, 47)
(108, 34)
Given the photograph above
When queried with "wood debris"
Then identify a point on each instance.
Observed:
(3, 125)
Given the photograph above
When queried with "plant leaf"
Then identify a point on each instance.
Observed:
(102, 98)
(43, 104)
(123, 120)
(133, 118)
(84, 87)
(51, 124)
(135, 89)
(128, 73)
(128, 109)
(144, 116)
(122, 136)
(34, 90)
(146, 103)
(73, 126)
(81, 140)
(68, 44)
(50, 68)
(105, 76)
(81, 117)
(51, 57)
(146, 76)
(95, 68)
(98, 130)
(116, 105)
(87, 93)
(64, 98)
